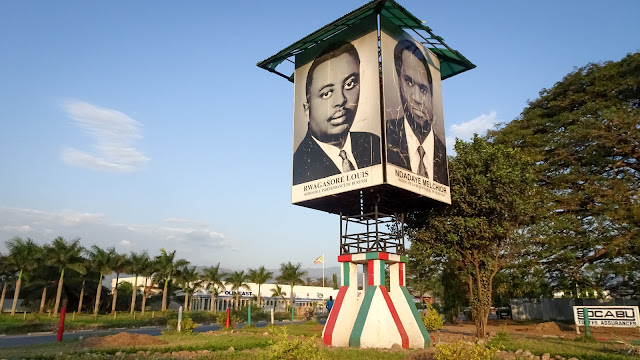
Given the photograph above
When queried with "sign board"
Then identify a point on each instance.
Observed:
(336, 122)
(416, 158)
(608, 316)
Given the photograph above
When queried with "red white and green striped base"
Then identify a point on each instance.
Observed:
(381, 317)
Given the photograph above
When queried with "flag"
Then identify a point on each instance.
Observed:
(319, 260)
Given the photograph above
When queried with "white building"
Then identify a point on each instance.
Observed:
(201, 299)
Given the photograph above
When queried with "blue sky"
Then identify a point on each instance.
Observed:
(147, 124)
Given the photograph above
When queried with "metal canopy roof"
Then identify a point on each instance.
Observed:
(451, 61)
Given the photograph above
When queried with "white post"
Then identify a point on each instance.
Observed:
(272, 316)
(179, 317)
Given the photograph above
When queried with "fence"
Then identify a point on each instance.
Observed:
(557, 308)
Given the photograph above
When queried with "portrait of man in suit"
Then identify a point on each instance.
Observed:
(331, 103)
(411, 142)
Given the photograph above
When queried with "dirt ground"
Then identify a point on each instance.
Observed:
(466, 331)
(121, 340)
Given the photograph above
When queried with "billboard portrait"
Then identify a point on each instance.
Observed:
(337, 124)
(413, 117)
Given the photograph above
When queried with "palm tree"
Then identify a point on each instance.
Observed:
(5, 275)
(87, 265)
(278, 293)
(147, 272)
(137, 264)
(260, 276)
(63, 255)
(188, 278)
(100, 262)
(291, 274)
(167, 269)
(119, 263)
(22, 258)
(238, 281)
(213, 277)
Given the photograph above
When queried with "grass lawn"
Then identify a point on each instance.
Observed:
(583, 350)
(271, 343)
(39, 323)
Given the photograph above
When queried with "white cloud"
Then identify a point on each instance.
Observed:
(18, 229)
(197, 223)
(464, 131)
(195, 243)
(114, 134)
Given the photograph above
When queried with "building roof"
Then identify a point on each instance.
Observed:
(452, 62)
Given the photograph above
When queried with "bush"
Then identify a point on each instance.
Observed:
(501, 338)
(186, 325)
(462, 350)
(432, 319)
(203, 316)
(285, 348)
(221, 319)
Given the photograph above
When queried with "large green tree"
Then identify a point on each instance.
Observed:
(212, 277)
(23, 258)
(63, 255)
(291, 274)
(260, 276)
(491, 202)
(167, 267)
(584, 138)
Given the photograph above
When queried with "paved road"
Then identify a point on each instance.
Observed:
(43, 338)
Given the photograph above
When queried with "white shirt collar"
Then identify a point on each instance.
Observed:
(333, 152)
(413, 143)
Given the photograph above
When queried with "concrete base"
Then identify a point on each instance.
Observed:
(381, 318)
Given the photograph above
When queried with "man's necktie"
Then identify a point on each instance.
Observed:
(346, 164)
(422, 170)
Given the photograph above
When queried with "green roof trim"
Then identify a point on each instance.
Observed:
(451, 61)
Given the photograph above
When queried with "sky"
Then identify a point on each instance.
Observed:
(147, 124)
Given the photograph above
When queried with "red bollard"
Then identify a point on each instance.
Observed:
(63, 312)
(228, 317)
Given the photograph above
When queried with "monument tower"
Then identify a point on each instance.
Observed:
(369, 146)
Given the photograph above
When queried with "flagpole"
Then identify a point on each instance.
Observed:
(322, 269)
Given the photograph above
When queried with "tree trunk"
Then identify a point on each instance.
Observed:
(58, 293)
(259, 297)
(213, 306)
(115, 295)
(481, 301)
(97, 305)
(291, 297)
(133, 296)
(237, 300)
(43, 299)
(81, 297)
(164, 295)
(4, 293)
(144, 297)
(480, 319)
(186, 300)
(16, 294)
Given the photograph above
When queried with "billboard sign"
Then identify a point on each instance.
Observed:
(609, 316)
(337, 124)
(413, 116)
